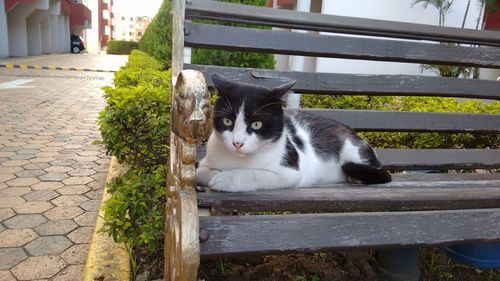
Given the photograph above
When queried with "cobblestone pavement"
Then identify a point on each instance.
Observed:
(51, 175)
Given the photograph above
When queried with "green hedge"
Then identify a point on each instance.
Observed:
(135, 127)
(157, 39)
(425, 104)
(233, 58)
(120, 47)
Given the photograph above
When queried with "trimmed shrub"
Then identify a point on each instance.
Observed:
(135, 211)
(424, 104)
(157, 39)
(134, 124)
(135, 127)
(121, 47)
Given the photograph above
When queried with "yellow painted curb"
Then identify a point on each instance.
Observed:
(107, 260)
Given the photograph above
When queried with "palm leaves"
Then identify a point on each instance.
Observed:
(443, 6)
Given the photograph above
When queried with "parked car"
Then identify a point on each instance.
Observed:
(77, 44)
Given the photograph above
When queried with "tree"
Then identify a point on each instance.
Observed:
(443, 7)
(157, 39)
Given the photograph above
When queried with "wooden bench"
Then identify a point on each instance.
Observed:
(414, 210)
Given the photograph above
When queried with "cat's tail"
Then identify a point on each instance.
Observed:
(365, 173)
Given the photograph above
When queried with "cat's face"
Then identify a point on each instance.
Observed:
(247, 118)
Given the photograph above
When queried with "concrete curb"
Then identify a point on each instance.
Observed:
(107, 260)
(36, 66)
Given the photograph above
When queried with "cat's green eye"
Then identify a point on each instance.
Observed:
(256, 125)
(228, 122)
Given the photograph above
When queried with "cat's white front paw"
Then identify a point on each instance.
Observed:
(224, 181)
(204, 175)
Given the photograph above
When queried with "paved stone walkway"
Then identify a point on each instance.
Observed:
(51, 175)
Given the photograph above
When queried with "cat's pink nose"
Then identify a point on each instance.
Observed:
(238, 145)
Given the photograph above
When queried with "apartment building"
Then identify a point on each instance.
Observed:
(129, 28)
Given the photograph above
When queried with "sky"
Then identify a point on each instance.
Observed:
(136, 7)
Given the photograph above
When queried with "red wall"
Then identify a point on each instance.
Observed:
(9, 4)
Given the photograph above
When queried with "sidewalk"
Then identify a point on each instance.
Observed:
(51, 175)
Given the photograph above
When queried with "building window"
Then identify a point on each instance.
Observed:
(123, 33)
(131, 18)
(131, 26)
(131, 33)
(139, 33)
(123, 18)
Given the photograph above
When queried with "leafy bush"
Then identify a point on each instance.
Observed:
(157, 39)
(232, 58)
(425, 104)
(135, 128)
(135, 211)
(135, 123)
(120, 47)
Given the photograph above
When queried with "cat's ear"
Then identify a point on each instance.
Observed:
(281, 90)
(223, 85)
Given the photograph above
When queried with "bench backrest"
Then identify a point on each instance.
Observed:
(384, 44)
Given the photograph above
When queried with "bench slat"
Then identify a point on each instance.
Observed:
(293, 43)
(428, 159)
(337, 24)
(458, 192)
(397, 121)
(318, 232)
(445, 159)
(356, 84)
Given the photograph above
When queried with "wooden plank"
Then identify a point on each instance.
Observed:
(337, 24)
(395, 196)
(428, 159)
(356, 84)
(444, 159)
(318, 232)
(294, 43)
(417, 176)
(397, 121)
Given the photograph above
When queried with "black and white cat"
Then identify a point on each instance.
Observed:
(256, 145)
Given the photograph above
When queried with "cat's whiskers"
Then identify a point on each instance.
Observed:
(228, 104)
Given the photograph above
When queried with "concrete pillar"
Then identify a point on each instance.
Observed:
(18, 38)
(45, 28)
(17, 27)
(38, 33)
(54, 11)
(4, 38)
(67, 33)
(34, 38)
(54, 34)
(296, 63)
(60, 19)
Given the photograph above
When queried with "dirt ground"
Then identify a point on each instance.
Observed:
(327, 266)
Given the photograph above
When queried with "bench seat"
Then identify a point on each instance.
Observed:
(272, 234)
(437, 196)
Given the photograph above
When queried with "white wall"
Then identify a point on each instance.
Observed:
(91, 35)
(394, 10)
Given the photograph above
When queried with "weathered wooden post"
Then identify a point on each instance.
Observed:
(191, 122)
